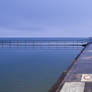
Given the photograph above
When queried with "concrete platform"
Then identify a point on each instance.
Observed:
(79, 78)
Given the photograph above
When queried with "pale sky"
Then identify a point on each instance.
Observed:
(45, 18)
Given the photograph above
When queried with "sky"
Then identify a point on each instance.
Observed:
(45, 18)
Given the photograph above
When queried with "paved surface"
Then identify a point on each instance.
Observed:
(79, 78)
(73, 87)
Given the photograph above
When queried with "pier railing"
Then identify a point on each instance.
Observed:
(43, 42)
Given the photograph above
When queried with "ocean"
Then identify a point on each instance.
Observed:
(35, 68)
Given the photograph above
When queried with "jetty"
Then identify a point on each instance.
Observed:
(41, 42)
(78, 77)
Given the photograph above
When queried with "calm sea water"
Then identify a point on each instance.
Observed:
(33, 68)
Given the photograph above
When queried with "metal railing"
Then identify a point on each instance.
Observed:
(43, 42)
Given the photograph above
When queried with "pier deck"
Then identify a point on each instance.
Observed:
(79, 77)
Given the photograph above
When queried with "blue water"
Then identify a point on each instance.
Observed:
(33, 68)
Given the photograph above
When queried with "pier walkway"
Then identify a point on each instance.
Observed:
(79, 77)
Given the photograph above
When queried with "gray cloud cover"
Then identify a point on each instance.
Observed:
(45, 18)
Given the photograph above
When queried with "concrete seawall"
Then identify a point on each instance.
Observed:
(79, 76)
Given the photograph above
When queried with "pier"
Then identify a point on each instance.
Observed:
(37, 42)
(78, 77)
